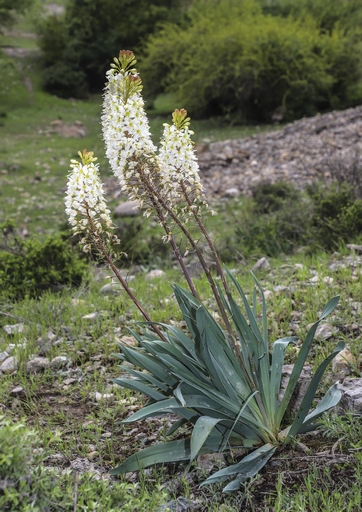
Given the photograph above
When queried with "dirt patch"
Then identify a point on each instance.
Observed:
(67, 130)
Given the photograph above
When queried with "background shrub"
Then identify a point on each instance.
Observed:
(31, 267)
(234, 60)
(90, 34)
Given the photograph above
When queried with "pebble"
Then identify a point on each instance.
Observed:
(9, 365)
(91, 316)
(111, 289)
(18, 391)
(60, 362)
(102, 396)
(154, 274)
(38, 364)
(127, 209)
(325, 331)
(14, 329)
(261, 264)
(3, 356)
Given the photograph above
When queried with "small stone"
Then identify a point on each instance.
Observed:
(91, 316)
(129, 340)
(351, 400)
(355, 248)
(102, 396)
(343, 361)
(38, 364)
(207, 461)
(314, 280)
(82, 465)
(60, 362)
(154, 274)
(3, 356)
(299, 266)
(14, 329)
(110, 289)
(128, 209)
(268, 294)
(283, 290)
(261, 264)
(92, 455)
(325, 331)
(70, 381)
(232, 192)
(9, 365)
(18, 391)
(328, 280)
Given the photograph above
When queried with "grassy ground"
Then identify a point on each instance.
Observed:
(60, 403)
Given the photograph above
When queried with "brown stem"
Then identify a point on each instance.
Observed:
(99, 242)
(154, 199)
(204, 266)
(207, 238)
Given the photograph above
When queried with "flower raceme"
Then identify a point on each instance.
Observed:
(85, 205)
(179, 166)
(129, 147)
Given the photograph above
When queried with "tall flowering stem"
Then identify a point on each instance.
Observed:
(129, 146)
(89, 216)
(181, 171)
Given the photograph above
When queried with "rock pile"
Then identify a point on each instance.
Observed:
(300, 153)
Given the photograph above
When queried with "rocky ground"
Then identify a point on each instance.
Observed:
(301, 152)
(315, 148)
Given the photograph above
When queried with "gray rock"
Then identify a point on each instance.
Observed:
(232, 192)
(262, 264)
(154, 274)
(18, 391)
(60, 362)
(82, 465)
(128, 209)
(3, 356)
(9, 365)
(283, 290)
(91, 316)
(38, 364)
(207, 461)
(14, 328)
(325, 331)
(354, 247)
(351, 400)
(111, 289)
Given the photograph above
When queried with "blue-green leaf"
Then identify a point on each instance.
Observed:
(201, 431)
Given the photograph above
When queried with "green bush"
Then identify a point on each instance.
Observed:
(337, 216)
(281, 219)
(235, 61)
(29, 268)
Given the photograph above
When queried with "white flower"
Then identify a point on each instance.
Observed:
(126, 132)
(179, 166)
(84, 199)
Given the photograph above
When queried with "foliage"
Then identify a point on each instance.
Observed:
(337, 215)
(26, 485)
(29, 268)
(231, 399)
(327, 13)
(326, 216)
(236, 61)
(9, 9)
(89, 34)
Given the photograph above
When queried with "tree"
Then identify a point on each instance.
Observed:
(9, 9)
(91, 33)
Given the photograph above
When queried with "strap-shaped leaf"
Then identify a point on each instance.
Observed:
(246, 468)
(201, 431)
(173, 451)
(147, 362)
(330, 399)
(276, 369)
(302, 356)
(311, 391)
(139, 386)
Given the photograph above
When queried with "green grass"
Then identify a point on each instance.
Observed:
(91, 429)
